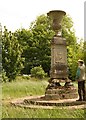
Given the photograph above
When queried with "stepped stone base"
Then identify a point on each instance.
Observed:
(61, 92)
(40, 102)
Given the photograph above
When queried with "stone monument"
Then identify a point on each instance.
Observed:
(56, 94)
(59, 70)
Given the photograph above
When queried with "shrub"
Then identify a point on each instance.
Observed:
(38, 72)
(4, 77)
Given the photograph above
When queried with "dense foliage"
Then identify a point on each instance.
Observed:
(34, 46)
(84, 56)
(38, 72)
(11, 55)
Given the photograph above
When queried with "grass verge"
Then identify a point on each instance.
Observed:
(27, 87)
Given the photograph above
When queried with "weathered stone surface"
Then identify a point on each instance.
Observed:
(56, 17)
(59, 68)
(39, 102)
(58, 58)
(61, 92)
(58, 47)
(58, 41)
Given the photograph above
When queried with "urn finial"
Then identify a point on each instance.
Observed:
(56, 17)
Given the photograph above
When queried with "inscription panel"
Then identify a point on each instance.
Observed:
(58, 61)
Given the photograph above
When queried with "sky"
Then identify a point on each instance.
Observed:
(16, 14)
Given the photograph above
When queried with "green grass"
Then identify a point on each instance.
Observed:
(22, 87)
(17, 112)
(26, 87)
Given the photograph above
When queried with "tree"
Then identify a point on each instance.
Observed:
(25, 40)
(42, 35)
(84, 49)
(68, 33)
(11, 55)
(36, 44)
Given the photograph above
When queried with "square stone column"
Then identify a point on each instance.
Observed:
(58, 58)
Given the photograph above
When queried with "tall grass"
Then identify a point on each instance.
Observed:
(17, 112)
(23, 87)
(26, 87)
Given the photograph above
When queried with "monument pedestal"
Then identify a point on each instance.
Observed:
(61, 92)
(58, 58)
(59, 73)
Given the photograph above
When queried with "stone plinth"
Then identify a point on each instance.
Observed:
(59, 58)
(61, 92)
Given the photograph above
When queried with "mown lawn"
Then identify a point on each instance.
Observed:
(26, 87)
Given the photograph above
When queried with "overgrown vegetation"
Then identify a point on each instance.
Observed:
(11, 55)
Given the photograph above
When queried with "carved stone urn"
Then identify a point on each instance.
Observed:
(56, 18)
